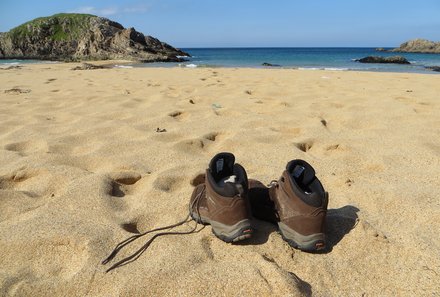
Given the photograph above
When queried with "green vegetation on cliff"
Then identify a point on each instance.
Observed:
(73, 36)
(59, 27)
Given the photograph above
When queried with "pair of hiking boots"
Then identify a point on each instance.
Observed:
(296, 202)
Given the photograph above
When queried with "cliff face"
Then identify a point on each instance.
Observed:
(82, 37)
(419, 46)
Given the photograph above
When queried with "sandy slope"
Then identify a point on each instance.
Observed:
(81, 165)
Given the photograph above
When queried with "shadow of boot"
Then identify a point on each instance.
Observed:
(339, 222)
(262, 209)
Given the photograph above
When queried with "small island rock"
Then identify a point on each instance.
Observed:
(378, 59)
(270, 65)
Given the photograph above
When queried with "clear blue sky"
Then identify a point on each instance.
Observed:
(241, 23)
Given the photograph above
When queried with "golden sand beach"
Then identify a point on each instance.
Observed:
(83, 166)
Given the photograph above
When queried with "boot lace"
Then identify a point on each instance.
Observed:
(133, 257)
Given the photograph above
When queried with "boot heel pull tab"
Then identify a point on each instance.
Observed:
(273, 183)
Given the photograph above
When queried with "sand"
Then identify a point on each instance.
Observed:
(82, 167)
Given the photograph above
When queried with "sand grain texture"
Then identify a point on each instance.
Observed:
(83, 166)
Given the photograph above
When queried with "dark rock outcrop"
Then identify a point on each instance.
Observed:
(270, 65)
(419, 46)
(377, 59)
(433, 68)
(73, 37)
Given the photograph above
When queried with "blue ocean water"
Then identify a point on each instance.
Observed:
(307, 58)
(302, 58)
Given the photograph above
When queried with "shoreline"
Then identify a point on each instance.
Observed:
(337, 59)
(171, 65)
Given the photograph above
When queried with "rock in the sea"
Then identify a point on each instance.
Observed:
(433, 68)
(72, 37)
(419, 46)
(378, 59)
(270, 65)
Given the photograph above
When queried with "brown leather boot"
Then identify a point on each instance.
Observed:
(222, 201)
(300, 203)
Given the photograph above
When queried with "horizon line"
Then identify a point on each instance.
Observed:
(272, 47)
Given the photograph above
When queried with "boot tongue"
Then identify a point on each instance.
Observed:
(301, 172)
(222, 165)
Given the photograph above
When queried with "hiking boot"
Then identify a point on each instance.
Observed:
(222, 200)
(300, 204)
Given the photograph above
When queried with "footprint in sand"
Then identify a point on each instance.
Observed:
(138, 223)
(27, 189)
(166, 183)
(33, 182)
(16, 91)
(211, 136)
(29, 146)
(304, 146)
(178, 115)
(191, 146)
(131, 227)
(123, 183)
(332, 147)
(16, 177)
(50, 80)
(198, 144)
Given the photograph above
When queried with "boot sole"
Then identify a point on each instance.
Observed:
(308, 243)
(228, 233)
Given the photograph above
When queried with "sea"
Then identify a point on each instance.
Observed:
(308, 58)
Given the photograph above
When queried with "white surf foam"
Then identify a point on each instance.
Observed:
(122, 66)
(336, 69)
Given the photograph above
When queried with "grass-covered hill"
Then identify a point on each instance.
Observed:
(72, 36)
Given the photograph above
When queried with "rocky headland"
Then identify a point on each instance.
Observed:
(74, 37)
(416, 46)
